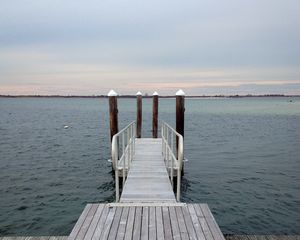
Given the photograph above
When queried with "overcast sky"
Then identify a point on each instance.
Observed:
(204, 47)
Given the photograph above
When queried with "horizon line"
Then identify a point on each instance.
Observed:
(145, 95)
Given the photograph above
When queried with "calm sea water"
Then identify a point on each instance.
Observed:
(244, 161)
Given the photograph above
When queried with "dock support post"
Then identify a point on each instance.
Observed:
(180, 95)
(155, 115)
(139, 115)
(180, 112)
(113, 113)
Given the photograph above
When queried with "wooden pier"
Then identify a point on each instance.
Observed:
(148, 207)
(146, 221)
(147, 199)
(227, 237)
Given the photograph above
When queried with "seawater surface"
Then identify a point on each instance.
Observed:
(243, 160)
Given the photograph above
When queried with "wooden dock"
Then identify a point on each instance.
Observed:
(227, 237)
(142, 221)
(147, 208)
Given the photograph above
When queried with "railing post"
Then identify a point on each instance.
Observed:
(139, 115)
(155, 115)
(131, 144)
(115, 163)
(180, 164)
(113, 113)
(124, 157)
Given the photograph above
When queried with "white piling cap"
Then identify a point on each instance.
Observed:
(155, 94)
(139, 93)
(112, 93)
(180, 93)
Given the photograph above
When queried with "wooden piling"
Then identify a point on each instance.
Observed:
(155, 115)
(180, 95)
(113, 113)
(139, 115)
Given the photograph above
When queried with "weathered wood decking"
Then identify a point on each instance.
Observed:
(160, 221)
(147, 208)
(148, 179)
(227, 237)
(34, 238)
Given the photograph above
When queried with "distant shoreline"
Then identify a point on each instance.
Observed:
(146, 96)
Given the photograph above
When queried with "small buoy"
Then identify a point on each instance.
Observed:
(66, 127)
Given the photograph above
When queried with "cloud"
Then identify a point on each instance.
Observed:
(45, 73)
(89, 46)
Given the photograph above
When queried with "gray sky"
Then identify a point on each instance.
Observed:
(203, 47)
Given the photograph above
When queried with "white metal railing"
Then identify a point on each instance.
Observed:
(172, 150)
(123, 145)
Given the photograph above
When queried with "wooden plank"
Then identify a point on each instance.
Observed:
(130, 223)
(30, 238)
(100, 225)
(86, 224)
(79, 222)
(115, 224)
(260, 237)
(189, 223)
(167, 223)
(14, 238)
(122, 225)
(54, 238)
(159, 223)
(137, 223)
(93, 225)
(152, 223)
(203, 222)
(214, 228)
(108, 222)
(182, 227)
(250, 237)
(196, 223)
(293, 237)
(145, 223)
(174, 223)
(240, 237)
(275, 237)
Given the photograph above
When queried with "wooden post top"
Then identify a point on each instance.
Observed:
(180, 93)
(112, 93)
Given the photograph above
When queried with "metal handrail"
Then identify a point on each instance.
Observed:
(124, 143)
(173, 153)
